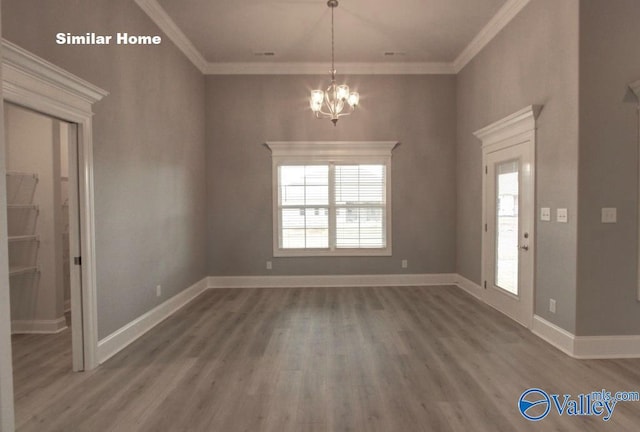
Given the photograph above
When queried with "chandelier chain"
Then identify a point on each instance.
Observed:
(333, 55)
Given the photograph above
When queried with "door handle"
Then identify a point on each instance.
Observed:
(524, 247)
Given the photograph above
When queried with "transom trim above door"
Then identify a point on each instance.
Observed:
(517, 123)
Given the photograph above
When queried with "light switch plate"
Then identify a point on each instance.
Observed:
(562, 215)
(545, 214)
(609, 215)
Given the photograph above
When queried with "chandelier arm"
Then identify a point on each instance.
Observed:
(345, 114)
(324, 113)
(329, 103)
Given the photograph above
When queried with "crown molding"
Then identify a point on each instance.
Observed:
(299, 68)
(500, 20)
(159, 16)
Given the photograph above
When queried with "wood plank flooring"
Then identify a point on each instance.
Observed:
(322, 359)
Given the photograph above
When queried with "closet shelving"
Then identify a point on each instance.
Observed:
(22, 238)
(20, 192)
(33, 207)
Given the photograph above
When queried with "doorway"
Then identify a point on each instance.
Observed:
(508, 232)
(42, 223)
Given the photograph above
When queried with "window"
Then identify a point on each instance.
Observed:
(332, 198)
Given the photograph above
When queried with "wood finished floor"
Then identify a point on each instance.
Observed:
(326, 359)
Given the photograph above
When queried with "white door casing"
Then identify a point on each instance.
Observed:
(509, 144)
(34, 83)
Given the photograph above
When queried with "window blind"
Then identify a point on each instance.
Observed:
(330, 206)
(360, 203)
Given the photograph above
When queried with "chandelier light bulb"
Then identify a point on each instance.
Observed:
(343, 92)
(354, 98)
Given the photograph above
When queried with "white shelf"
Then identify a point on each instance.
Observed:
(22, 174)
(22, 207)
(18, 270)
(23, 238)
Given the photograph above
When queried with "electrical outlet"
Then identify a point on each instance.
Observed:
(562, 215)
(545, 214)
(269, 265)
(405, 263)
(158, 290)
(552, 306)
(609, 215)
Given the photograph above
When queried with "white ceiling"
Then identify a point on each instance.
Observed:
(431, 35)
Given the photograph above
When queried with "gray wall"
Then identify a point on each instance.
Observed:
(245, 111)
(149, 150)
(534, 60)
(608, 254)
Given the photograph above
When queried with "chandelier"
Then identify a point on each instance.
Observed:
(336, 101)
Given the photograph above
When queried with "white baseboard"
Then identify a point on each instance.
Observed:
(469, 286)
(331, 281)
(606, 347)
(556, 336)
(587, 347)
(581, 347)
(121, 338)
(38, 326)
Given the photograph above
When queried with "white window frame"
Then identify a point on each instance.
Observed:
(330, 152)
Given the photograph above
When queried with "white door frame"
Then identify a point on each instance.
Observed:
(635, 88)
(515, 129)
(34, 83)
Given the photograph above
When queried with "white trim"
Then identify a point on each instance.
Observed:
(551, 333)
(301, 68)
(330, 281)
(7, 414)
(469, 286)
(121, 338)
(331, 148)
(517, 129)
(503, 17)
(38, 326)
(37, 84)
(67, 305)
(520, 122)
(606, 347)
(330, 153)
(23, 70)
(587, 347)
(159, 16)
(584, 347)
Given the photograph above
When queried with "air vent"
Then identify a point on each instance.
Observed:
(394, 53)
(264, 53)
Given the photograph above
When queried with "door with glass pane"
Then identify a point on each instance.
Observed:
(508, 231)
